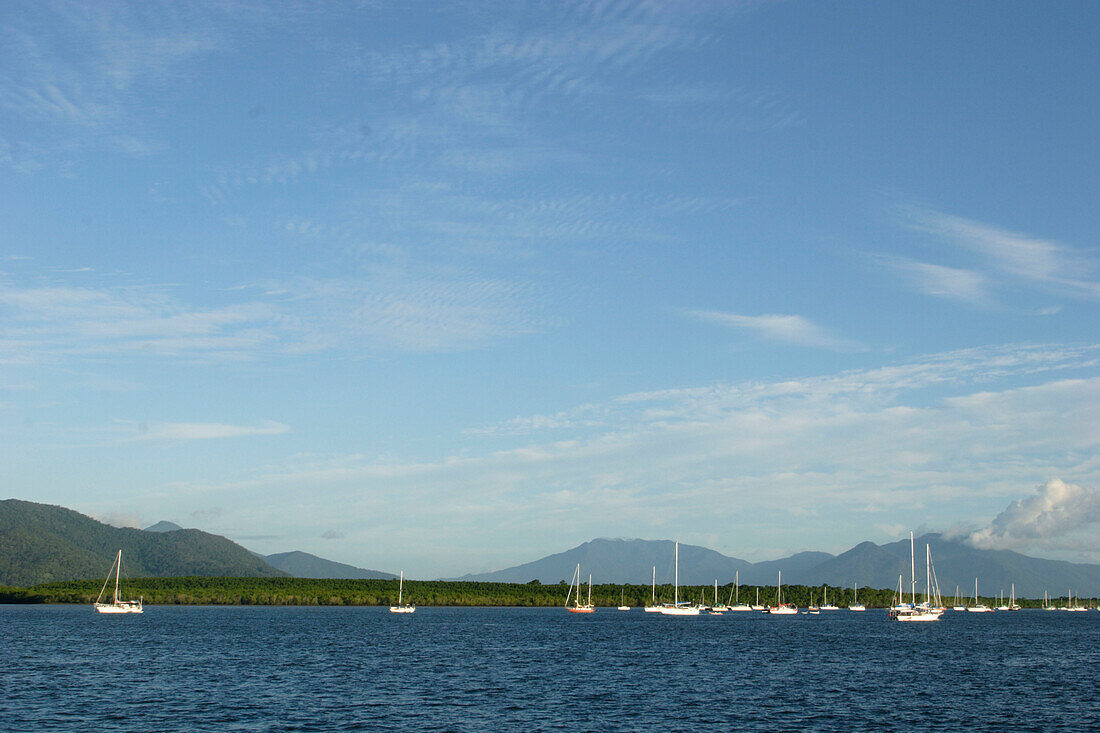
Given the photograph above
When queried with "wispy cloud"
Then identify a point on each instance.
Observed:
(1043, 264)
(80, 315)
(857, 448)
(205, 431)
(790, 329)
(945, 282)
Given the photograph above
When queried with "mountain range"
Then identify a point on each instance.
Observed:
(870, 565)
(40, 543)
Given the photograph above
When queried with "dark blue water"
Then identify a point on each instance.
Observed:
(332, 669)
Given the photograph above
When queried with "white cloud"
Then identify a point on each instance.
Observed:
(1055, 510)
(1041, 263)
(206, 431)
(787, 328)
(386, 309)
(858, 449)
(944, 282)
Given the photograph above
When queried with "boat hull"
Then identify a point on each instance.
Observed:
(118, 608)
(402, 609)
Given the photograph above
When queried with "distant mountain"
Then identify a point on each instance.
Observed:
(624, 561)
(868, 564)
(163, 526)
(957, 564)
(303, 565)
(40, 543)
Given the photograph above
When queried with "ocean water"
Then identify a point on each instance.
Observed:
(65, 668)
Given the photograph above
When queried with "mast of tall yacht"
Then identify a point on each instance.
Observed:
(590, 590)
(676, 576)
(118, 572)
(912, 569)
(653, 588)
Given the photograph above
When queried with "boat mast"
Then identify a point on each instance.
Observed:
(676, 576)
(118, 572)
(912, 569)
(590, 590)
(400, 587)
(653, 588)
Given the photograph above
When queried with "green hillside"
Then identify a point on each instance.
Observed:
(40, 543)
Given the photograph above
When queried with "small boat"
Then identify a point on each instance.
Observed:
(676, 608)
(575, 584)
(825, 605)
(780, 608)
(116, 606)
(1012, 604)
(1002, 606)
(622, 602)
(756, 606)
(401, 607)
(856, 605)
(737, 605)
(978, 607)
(717, 609)
(958, 605)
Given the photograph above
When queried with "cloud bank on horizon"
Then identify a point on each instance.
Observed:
(446, 286)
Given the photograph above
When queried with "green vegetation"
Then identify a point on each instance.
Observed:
(40, 543)
(314, 592)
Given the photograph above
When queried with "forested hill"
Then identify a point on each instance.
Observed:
(41, 543)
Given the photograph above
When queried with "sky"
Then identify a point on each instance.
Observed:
(447, 287)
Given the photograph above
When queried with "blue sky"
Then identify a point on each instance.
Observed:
(448, 289)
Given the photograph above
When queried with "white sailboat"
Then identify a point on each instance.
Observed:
(116, 606)
(756, 606)
(780, 608)
(1012, 604)
(401, 607)
(737, 604)
(929, 610)
(653, 607)
(978, 607)
(825, 605)
(717, 609)
(856, 605)
(575, 594)
(676, 608)
(958, 605)
(622, 602)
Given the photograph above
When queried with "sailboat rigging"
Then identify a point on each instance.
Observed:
(116, 606)
(402, 607)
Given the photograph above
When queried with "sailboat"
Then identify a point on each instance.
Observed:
(116, 606)
(780, 608)
(737, 604)
(653, 607)
(1012, 604)
(812, 608)
(622, 601)
(1002, 606)
(958, 605)
(716, 609)
(978, 607)
(926, 611)
(401, 607)
(856, 605)
(1074, 604)
(825, 605)
(676, 608)
(756, 606)
(575, 584)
